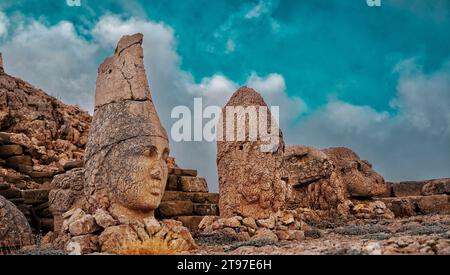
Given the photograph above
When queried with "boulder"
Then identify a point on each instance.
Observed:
(117, 237)
(104, 219)
(14, 228)
(84, 225)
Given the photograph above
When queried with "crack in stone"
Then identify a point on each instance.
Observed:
(123, 100)
(129, 46)
(111, 145)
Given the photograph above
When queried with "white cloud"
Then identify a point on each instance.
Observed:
(411, 143)
(55, 58)
(231, 46)
(4, 23)
(257, 10)
(424, 99)
(65, 65)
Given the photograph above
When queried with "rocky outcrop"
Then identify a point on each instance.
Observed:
(250, 182)
(40, 137)
(15, 231)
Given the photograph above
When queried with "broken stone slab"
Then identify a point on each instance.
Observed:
(11, 193)
(191, 196)
(407, 188)
(418, 205)
(84, 225)
(193, 184)
(436, 204)
(191, 222)
(10, 150)
(172, 183)
(169, 209)
(436, 187)
(35, 196)
(41, 174)
(4, 186)
(206, 209)
(182, 172)
(73, 164)
(15, 161)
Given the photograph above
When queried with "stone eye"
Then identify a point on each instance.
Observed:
(151, 152)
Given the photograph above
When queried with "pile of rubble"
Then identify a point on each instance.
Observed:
(40, 137)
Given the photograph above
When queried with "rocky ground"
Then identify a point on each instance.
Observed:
(424, 235)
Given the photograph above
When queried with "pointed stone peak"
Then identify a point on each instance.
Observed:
(127, 41)
(122, 77)
(246, 96)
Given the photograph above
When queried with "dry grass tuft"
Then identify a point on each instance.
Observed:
(149, 247)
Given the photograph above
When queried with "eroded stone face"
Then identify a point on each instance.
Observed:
(125, 157)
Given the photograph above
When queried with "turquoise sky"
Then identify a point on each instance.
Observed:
(321, 47)
(375, 68)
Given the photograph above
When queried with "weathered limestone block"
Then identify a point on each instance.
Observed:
(10, 150)
(206, 209)
(407, 188)
(35, 196)
(360, 179)
(172, 183)
(418, 205)
(169, 209)
(436, 187)
(182, 172)
(14, 228)
(197, 197)
(249, 169)
(193, 184)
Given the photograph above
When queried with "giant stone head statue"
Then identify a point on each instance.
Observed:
(125, 156)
